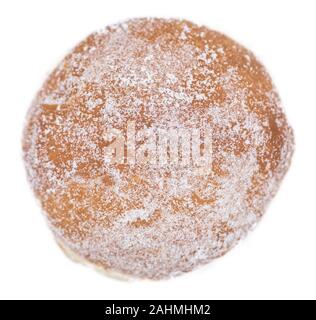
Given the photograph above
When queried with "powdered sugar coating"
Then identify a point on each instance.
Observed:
(142, 220)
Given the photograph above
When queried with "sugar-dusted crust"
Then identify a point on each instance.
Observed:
(141, 220)
(99, 268)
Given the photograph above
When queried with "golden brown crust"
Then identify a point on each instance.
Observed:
(137, 219)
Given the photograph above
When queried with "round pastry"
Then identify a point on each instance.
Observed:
(155, 146)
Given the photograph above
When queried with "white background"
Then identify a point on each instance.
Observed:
(277, 260)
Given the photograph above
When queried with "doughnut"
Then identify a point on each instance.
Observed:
(155, 146)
